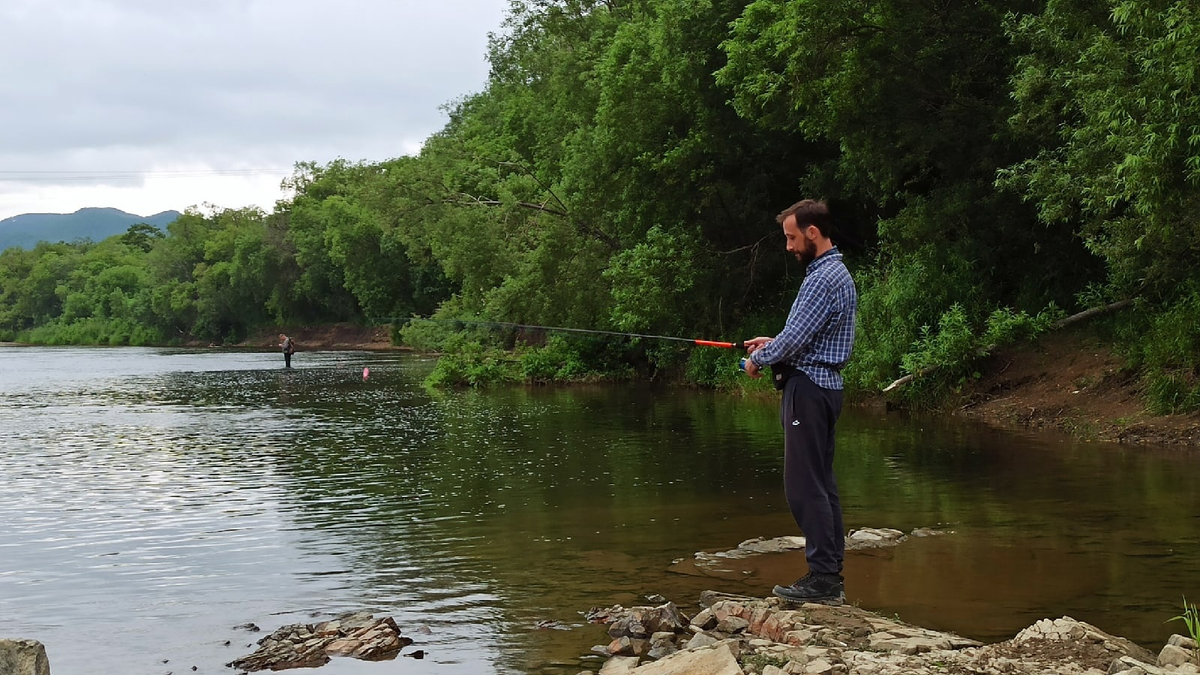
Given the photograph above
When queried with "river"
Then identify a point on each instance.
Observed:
(153, 499)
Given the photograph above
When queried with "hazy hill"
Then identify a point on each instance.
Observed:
(27, 229)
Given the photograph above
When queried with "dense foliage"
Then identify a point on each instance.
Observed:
(992, 164)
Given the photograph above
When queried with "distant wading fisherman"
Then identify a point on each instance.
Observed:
(289, 348)
(806, 359)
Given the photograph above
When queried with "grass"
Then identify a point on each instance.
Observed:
(1191, 619)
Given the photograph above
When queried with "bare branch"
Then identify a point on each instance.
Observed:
(479, 201)
(595, 233)
(1089, 313)
(748, 247)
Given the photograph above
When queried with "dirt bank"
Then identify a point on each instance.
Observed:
(328, 336)
(1074, 382)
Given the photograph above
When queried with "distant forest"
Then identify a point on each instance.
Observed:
(992, 165)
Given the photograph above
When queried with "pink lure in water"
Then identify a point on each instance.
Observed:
(366, 374)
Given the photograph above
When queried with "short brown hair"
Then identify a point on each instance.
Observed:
(809, 212)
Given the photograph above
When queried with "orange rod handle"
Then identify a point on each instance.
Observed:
(711, 343)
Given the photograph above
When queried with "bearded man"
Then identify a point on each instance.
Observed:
(806, 360)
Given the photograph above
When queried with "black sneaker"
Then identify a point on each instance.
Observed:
(825, 589)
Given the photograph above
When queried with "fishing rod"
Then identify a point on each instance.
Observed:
(525, 326)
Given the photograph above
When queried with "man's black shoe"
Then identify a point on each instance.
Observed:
(825, 589)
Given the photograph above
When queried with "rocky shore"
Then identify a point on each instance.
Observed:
(742, 635)
(739, 635)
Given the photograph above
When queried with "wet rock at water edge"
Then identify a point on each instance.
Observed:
(23, 657)
(856, 540)
(357, 635)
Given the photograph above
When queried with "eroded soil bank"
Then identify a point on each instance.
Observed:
(326, 337)
(1074, 383)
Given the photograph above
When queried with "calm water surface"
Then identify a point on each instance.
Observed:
(151, 500)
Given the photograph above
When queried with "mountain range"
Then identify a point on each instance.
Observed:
(27, 229)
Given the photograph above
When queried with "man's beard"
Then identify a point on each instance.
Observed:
(807, 253)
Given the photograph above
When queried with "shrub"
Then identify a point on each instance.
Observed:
(474, 365)
(946, 357)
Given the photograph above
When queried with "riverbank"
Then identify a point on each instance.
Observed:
(1072, 382)
(325, 337)
(1068, 381)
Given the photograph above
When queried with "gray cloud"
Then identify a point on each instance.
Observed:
(100, 85)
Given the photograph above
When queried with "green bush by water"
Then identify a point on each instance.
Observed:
(946, 357)
(1166, 346)
(94, 331)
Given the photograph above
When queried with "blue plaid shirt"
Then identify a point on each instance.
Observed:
(819, 334)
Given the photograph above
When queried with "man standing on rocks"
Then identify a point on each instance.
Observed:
(806, 359)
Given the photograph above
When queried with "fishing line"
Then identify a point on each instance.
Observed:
(589, 331)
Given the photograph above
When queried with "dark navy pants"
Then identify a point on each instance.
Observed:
(809, 414)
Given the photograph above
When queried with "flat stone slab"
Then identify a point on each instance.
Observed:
(719, 562)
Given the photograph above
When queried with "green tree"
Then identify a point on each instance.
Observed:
(914, 95)
(1109, 94)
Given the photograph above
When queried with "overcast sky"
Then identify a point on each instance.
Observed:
(149, 105)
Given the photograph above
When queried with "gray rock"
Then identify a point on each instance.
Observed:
(661, 651)
(710, 598)
(629, 646)
(733, 624)
(705, 619)
(1181, 641)
(628, 626)
(717, 660)
(929, 532)
(1174, 656)
(874, 537)
(661, 645)
(701, 640)
(819, 667)
(885, 642)
(642, 622)
(1131, 666)
(23, 657)
(619, 665)
(308, 646)
(734, 646)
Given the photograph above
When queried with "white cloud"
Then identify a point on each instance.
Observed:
(101, 87)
